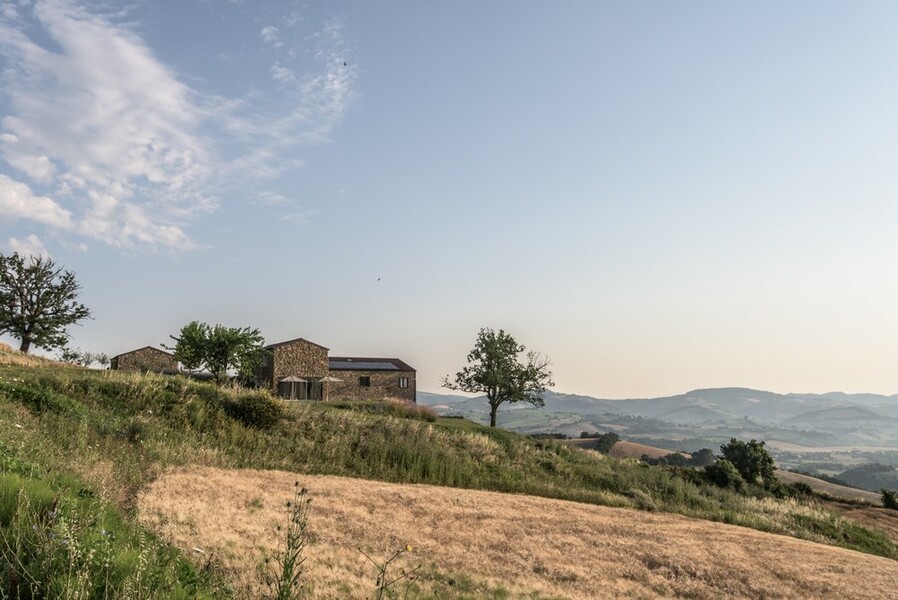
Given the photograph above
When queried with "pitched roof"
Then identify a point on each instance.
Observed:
(144, 348)
(293, 341)
(357, 363)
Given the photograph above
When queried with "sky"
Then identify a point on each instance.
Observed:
(657, 196)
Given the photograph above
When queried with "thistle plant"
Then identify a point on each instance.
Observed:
(384, 583)
(282, 574)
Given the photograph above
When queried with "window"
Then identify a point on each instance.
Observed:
(364, 381)
(403, 382)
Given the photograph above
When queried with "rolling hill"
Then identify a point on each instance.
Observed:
(707, 416)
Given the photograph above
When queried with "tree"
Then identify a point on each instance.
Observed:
(494, 369)
(752, 461)
(702, 458)
(218, 348)
(38, 301)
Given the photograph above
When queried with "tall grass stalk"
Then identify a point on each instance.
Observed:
(283, 573)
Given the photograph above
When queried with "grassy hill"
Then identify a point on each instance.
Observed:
(83, 445)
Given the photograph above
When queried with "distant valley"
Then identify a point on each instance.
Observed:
(819, 433)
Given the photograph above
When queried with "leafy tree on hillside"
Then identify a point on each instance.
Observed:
(218, 348)
(752, 461)
(606, 442)
(494, 369)
(702, 458)
(38, 301)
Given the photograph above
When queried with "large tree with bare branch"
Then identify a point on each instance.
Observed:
(38, 301)
(495, 368)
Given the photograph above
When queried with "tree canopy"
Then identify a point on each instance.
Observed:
(38, 301)
(496, 369)
(218, 348)
(752, 461)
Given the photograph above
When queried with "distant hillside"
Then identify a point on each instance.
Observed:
(708, 417)
(872, 477)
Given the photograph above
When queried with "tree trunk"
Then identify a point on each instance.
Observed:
(493, 410)
(26, 344)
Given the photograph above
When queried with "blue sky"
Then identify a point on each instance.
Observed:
(659, 196)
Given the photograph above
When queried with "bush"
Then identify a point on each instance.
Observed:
(724, 474)
(889, 499)
(257, 409)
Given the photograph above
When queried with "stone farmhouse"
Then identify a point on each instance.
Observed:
(302, 370)
(145, 359)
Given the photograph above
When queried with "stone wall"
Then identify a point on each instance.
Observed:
(299, 358)
(145, 359)
(384, 384)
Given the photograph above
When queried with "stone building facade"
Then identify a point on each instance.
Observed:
(301, 370)
(370, 378)
(145, 359)
(297, 359)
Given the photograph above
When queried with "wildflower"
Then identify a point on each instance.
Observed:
(408, 548)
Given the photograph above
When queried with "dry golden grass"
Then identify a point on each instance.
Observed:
(11, 356)
(634, 450)
(830, 489)
(522, 543)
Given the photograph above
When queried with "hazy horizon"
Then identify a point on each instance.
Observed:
(659, 197)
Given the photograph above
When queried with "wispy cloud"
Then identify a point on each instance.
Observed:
(30, 246)
(122, 151)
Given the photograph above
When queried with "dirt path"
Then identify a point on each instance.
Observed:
(521, 543)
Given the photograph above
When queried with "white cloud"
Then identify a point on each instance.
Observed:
(282, 73)
(17, 201)
(270, 36)
(127, 151)
(30, 246)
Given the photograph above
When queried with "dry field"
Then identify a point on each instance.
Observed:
(830, 489)
(790, 447)
(634, 450)
(621, 449)
(531, 547)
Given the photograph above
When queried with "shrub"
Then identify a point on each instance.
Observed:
(724, 474)
(889, 499)
(257, 409)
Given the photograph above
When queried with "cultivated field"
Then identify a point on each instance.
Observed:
(622, 449)
(633, 450)
(477, 542)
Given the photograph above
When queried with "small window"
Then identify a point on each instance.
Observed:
(403, 382)
(364, 381)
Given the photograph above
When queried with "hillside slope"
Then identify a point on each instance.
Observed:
(531, 547)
